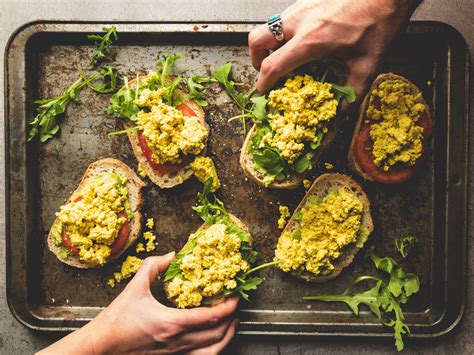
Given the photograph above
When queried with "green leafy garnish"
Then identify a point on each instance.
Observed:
(346, 92)
(405, 244)
(195, 87)
(56, 231)
(45, 124)
(63, 253)
(103, 44)
(108, 84)
(384, 299)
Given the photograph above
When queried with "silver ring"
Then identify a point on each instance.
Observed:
(275, 26)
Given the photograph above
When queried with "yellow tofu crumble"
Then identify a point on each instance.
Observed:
(204, 169)
(328, 166)
(150, 238)
(302, 107)
(141, 172)
(306, 184)
(139, 248)
(397, 138)
(327, 226)
(150, 223)
(210, 269)
(284, 215)
(129, 267)
(167, 131)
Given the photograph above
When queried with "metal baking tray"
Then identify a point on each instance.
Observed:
(43, 293)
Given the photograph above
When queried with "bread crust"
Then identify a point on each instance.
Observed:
(351, 159)
(321, 187)
(212, 301)
(164, 181)
(134, 186)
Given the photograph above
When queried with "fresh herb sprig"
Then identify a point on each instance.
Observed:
(385, 298)
(103, 44)
(195, 88)
(405, 244)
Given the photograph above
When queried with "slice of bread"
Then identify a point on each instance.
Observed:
(352, 161)
(219, 298)
(247, 163)
(134, 186)
(168, 180)
(321, 187)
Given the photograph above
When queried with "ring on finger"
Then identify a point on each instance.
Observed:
(275, 25)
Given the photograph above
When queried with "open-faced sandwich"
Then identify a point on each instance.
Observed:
(215, 262)
(392, 132)
(102, 217)
(166, 129)
(328, 228)
(293, 126)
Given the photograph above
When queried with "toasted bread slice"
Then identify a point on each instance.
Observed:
(352, 161)
(212, 301)
(321, 187)
(247, 163)
(134, 186)
(168, 180)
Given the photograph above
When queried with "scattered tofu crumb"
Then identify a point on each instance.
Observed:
(111, 283)
(284, 214)
(306, 184)
(129, 267)
(150, 238)
(428, 83)
(150, 223)
(141, 172)
(328, 166)
(139, 248)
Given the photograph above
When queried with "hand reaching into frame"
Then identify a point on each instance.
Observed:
(136, 322)
(356, 32)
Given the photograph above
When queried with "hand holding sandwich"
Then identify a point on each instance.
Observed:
(356, 32)
(136, 322)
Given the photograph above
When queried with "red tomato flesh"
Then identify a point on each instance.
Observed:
(67, 243)
(122, 235)
(363, 154)
(148, 153)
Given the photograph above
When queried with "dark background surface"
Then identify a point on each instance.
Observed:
(14, 338)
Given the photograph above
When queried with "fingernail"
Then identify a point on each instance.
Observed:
(171, 253)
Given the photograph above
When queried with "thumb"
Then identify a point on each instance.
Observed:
(151, 268)
(361, 71)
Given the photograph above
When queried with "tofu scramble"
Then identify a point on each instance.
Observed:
(91, 217)
(129, 268)
(167, 131)
(325, 227)
(397, 138)
(210, 268)
(284, 214)
(298, 113)
(204, 169)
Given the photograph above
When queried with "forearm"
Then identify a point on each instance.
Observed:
(78, 342)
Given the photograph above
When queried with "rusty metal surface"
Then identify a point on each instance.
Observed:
(46, 294)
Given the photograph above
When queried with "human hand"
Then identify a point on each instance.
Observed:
(355, 32)
(136, 322)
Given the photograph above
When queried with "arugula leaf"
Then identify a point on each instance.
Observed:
(108, 75)
(122, 103)
(165, 65)
(103, 44)
(174, 269)
(315, 145)
(222, 75)
(259, 110)
(302, 164)
(45, 124)
(246, 285)
(63, 253)
(195, 87)
(346, 92)
(405, 244)
(383, 299)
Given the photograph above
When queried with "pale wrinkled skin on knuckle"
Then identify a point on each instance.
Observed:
(268, 69)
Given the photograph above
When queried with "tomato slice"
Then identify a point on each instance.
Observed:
(67, 242)
(186, 110)
(363, 154)
(148, 153)
(78, 198)
(121, 236)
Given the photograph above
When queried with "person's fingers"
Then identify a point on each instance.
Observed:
(261, 41)
(151, 268)
(361, 72)
(290, 56)
(218, 347)
(202, 338)
(205, 316)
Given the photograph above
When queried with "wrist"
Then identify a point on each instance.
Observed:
(402, 8)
